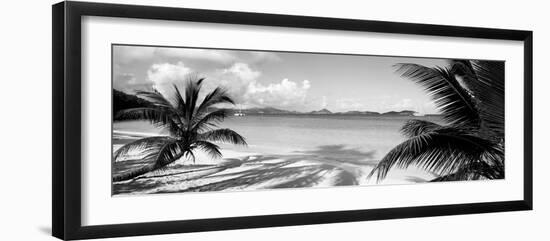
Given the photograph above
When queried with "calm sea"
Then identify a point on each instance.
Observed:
(371, 137)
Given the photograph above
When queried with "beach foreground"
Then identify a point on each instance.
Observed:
(237, 171)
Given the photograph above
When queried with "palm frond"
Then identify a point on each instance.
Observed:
(169, 153)
(442, 151)
(415, 127)
(217, 96)
(452, 99)
(490, 73)
(495, 156)
(156, 153)
(472, 171)
(144, 146)
(490, 93)
(192, 90)
(210, 120)
(160, 117)
(156, 98)
(190, 154)
(180, 102)
(211, 149)
(223, 136)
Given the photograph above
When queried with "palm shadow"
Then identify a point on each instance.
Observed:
(182, 173)
(263, 172)
(341, 153)
(272, 176)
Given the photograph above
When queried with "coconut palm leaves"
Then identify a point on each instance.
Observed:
(188, 122)
(470, 96)
(454, 102)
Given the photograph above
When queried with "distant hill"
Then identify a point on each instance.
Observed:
(372, 113)
(123, 101)
(275, 111)
(257, 111)
(267, 111)
(354, 112)
(321, 112)
(399, 113)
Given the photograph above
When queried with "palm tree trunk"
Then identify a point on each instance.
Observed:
(142, 170)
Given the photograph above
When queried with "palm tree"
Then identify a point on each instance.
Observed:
(470, 96)
(190, 125)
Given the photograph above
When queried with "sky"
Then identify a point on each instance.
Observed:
(285, 80)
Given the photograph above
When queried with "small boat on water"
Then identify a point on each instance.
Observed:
(239, 113)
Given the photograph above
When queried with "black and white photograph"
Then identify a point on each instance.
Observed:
(275, 120)
(191, 119)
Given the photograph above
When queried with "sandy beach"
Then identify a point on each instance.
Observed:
(237, 170)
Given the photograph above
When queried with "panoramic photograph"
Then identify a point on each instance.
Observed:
(205, 120)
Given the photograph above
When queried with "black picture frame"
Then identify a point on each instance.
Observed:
(66, 129)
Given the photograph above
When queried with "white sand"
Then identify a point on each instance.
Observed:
(253, 171)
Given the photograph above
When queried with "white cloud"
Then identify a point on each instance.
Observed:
(284, 94)
(242, 71)
(242, 83)
(163, 75)
(240, 80)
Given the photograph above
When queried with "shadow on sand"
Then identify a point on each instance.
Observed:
(331, 165)
(344, 154)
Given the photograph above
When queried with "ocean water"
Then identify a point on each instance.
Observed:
(361, 137)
